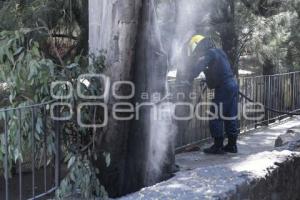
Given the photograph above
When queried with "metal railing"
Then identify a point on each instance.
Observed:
(280, 92)
(31, 166)
(35, 171)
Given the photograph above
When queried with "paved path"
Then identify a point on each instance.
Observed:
(214, 177)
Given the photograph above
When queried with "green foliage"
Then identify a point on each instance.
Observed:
(25, 71)
(81, 180)
(20, 133)
(79, 149)
(28, 75)
(61, 23)
(14, 16)
(272, 40)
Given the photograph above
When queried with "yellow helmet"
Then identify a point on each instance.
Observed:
(195, 40)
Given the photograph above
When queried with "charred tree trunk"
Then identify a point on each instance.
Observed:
(134, 53)
(149, 78)
(114, 29)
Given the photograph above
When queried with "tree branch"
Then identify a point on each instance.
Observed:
(64, 36)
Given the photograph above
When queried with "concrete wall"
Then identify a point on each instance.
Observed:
(283, 183)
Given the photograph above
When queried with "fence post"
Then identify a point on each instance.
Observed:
(6, 157)
(33, 116)
(20, 149)
(293, 91)
(57, 150)
(269, 98)
(45, 147)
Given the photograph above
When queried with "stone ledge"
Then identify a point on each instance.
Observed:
(281, 182)
(277, 177)
(258, 172)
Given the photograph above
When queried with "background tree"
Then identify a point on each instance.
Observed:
(63, 25)
(270, 32)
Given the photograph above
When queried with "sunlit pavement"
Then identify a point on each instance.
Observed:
(217, 177)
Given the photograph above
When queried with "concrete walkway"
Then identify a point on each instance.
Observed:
(218, 177)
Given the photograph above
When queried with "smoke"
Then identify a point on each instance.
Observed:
(161, 141)
(192, 17)
(175, 21)
(184, 18)
(162, 128)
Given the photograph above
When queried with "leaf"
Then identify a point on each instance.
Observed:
(35, 51)
(72, 177)
(25, 30)
(73, 65)
(19, 50)
(107, 159)
(11, 98)
(32, 69)
(71, 161)
(17, 155)
(9, 55)
(95, 156)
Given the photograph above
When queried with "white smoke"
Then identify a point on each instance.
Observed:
(161, 140)
(162, 128)
(188, 14)
(192, 17)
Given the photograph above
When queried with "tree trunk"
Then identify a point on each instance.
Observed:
(113, 28)
(128, 31)
(150, 77)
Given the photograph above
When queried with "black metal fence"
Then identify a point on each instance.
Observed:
(30, 138)
(280, 92)
(30, 143)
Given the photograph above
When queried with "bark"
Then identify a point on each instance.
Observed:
(81, 15)
(150, 76)
(120, 40)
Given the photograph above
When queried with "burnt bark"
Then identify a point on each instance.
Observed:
(149, 77)
(119, 60)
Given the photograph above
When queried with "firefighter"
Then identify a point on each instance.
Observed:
(205, 57)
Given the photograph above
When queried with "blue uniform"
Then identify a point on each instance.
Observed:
(219, 76)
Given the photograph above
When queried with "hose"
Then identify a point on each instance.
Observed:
(293, 113)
